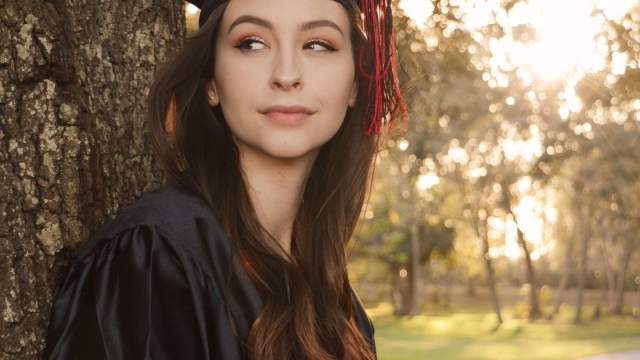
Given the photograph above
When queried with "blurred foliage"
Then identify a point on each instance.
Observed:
(500, 155)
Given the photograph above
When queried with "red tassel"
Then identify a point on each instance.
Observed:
(383, 86)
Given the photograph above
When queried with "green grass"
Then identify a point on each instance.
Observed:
(471, 333)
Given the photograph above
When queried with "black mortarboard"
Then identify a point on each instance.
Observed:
(383, 85)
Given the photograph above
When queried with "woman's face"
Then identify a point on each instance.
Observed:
(284, 74)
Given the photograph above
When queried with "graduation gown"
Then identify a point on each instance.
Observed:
(152, 284)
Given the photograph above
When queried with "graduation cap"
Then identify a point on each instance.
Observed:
(384, 90)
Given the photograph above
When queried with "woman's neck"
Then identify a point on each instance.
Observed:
(276, 187)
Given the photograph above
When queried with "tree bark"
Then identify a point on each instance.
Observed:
(533, 295)
(415, 271)
(530, 275)
(471, 285)
(637, 296)
(584, 233)
(482, 232)
(401, 291)
(74, 76)
(447, 286)
(564, 276)
(618, 298)
(605, 255)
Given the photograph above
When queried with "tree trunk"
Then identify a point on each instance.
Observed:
(584, 233)
(605, 255)
(618, 298)
(415, 271)
(482, 232)
(74, 76)
(471, 285)
(402, 291)
(565, 275)
(530, 275)
(447, 286)
(533, 295)
(637, 314)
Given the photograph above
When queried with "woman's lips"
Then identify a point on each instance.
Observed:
(285, 118)
(287, 115)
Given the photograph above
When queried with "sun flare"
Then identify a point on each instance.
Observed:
(565, 31)
(418, 10)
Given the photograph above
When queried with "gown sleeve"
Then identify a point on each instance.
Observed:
(128, 299)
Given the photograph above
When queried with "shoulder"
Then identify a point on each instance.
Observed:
(166, 207)
(133, 282)
(179, 218)
(363, 320)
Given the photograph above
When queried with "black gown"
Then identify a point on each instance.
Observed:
(151, 284)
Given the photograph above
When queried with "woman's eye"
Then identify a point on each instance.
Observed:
(251, 44)
(321, 46)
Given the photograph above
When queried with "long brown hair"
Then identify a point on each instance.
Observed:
(308, 313)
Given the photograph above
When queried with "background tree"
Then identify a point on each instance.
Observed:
(74, 76)
(502, 151)
(404, 243)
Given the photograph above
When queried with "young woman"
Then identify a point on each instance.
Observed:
(258, 123)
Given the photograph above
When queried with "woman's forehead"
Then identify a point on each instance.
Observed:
(281, 13)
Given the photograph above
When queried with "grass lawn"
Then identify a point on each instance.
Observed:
(471, 333)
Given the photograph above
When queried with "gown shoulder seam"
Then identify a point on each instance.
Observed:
(162, 232)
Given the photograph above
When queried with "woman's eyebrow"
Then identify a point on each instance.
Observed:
(320, 23)
(265, 23)
(250, 19)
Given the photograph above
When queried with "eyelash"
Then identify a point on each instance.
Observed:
(328, 47)
(248, 40)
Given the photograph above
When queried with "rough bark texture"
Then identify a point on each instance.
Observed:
(74, 75)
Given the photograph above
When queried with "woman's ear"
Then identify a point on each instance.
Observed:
(354, 94)
(212, 93)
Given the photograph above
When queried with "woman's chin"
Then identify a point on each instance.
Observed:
(292, 153)
(289, 151)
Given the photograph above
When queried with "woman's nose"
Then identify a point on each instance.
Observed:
(286, 71)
